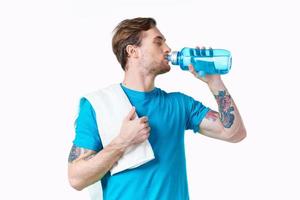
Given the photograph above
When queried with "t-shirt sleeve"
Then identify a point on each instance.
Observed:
(86, 129)
(195, 112)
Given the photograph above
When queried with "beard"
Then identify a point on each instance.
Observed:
(156, 68)
(164, 69)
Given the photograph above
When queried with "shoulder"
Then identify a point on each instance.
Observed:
(104, 90)
(85, 109)
(182, 99)
(176, 95)
(103, 94)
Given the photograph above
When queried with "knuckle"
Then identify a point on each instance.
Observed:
(143, 126)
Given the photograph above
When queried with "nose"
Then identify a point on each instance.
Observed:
(167, 49)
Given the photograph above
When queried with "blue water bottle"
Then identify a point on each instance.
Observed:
(205, 61)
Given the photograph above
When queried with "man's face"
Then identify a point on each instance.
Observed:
(153, 52)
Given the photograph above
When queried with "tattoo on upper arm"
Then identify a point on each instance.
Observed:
(225, 108)
(76, 152)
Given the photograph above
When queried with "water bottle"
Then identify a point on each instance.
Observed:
(205, 61)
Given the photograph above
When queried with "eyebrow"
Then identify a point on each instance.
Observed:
(159, 38)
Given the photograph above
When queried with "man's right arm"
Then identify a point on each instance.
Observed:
(87, 166)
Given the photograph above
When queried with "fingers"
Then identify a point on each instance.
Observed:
(202, 47)
(204, 52)
(144, 119)
(146, 130)
(144, 125)
(131, 115)
(211, 52)
(142, 138)
(192, 70)
(143, 135)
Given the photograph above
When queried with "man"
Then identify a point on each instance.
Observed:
(141, 50)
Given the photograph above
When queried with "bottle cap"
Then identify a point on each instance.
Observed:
(173, 57)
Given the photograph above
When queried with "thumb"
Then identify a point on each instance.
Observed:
(191, 68)
(131, 114)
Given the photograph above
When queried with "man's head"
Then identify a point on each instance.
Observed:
(138, 42)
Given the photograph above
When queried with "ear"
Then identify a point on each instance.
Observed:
(131, 51)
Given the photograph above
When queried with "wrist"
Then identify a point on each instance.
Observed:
(119, 144)
(216, 84)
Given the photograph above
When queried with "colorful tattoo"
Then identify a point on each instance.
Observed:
(225, 108)
(212, 116)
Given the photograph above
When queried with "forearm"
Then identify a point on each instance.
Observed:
(89, 168)
(233, 127)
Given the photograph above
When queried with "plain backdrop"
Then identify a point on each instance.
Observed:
(53, 52)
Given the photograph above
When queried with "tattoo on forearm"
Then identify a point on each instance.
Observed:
(76, 152)
(225, 108)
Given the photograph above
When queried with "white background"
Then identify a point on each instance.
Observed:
(52, 52)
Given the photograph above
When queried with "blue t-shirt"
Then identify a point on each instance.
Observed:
(165, 177)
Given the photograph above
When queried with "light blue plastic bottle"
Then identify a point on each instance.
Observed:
(205, 61)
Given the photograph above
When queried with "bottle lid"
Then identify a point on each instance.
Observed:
(173, 57)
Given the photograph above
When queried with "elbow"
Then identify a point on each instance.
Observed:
(76, 184)
(238, 136)
(74, 180)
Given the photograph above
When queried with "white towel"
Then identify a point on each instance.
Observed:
(112, 106)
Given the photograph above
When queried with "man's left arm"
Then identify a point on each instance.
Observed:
(226, 124)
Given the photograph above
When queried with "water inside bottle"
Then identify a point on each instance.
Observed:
(211, 65)
(209, 60)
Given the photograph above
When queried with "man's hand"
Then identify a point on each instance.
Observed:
(209, 79)
(134, 130)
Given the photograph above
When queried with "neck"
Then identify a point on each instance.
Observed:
(136, 80)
